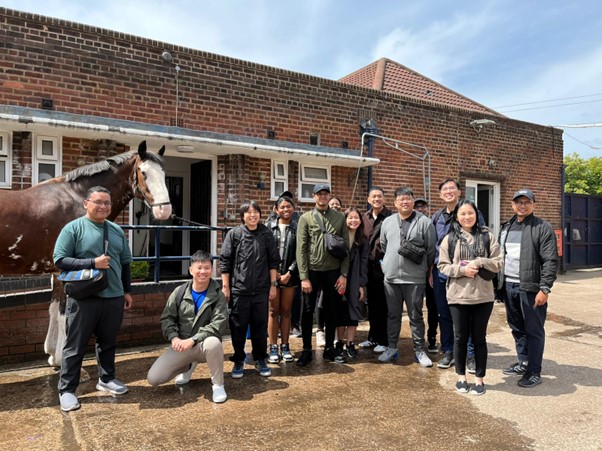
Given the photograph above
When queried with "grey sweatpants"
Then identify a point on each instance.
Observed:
(171, 363)
(411, 294)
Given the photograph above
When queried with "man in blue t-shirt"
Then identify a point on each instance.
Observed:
(81, 245)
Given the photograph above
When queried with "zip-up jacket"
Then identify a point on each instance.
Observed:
(289, 256)
(538, 265)
(372, 233)
(210, 321)
(248, 256)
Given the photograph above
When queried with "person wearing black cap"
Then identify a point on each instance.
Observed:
(318, 269)
(530, 267)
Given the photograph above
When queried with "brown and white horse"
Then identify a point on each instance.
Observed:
(31, 219)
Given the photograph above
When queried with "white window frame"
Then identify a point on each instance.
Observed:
(278, 178)
(472, 188)
(304, 180)
(6, 156)
(54, 159)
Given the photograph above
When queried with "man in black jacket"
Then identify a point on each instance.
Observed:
(530, 266)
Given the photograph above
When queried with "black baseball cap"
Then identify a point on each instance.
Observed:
(321, 187)
(286, 194)
(524, 192)
(419, 200)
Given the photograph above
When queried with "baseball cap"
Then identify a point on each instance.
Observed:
(286, 194)
(420, 200)
(524, 192)
(321, 187)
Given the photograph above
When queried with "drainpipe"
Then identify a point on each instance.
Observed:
(562, 213)
(369, 126)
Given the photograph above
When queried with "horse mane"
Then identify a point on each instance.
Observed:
(104, 165)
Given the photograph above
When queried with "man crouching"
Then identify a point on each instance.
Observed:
(193, 320)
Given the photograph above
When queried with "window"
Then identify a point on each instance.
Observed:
(47, 159)
(5, 160)
(310, 176)
(279, 178)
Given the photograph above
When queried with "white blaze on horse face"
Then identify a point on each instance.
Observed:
(155, 181)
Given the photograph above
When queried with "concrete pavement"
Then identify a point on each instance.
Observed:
(361, 405)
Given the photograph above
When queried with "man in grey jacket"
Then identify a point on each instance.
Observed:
(530, 266)
(408, 240)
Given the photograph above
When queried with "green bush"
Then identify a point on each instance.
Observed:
(139, 270)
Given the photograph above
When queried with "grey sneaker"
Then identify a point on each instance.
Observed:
(423, 359)
(114, 387)
(447, 360)
(471, 365)
(184, 378)
(462, 387)
(477, 389)
(516, 369)
(68, 402)
(388, 355)
(379, 349)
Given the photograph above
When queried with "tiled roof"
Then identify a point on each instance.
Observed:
(389, 76)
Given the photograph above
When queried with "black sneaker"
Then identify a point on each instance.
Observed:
(516, 369)
(529, 380)
(462, 387)
(477, 389)
(432, 346)
(351, 351)
(305, 358)
(471, 365)
(329, 354)
(339, 352)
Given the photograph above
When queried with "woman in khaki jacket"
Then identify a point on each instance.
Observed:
(470, 256)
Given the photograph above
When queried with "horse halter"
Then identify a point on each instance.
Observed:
(136, 189)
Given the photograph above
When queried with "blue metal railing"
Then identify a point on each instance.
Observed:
(158, 258)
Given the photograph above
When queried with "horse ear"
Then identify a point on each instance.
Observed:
(142, 150)
(161, 151)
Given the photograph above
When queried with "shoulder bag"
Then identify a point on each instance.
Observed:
(84, 283)
(334, 244)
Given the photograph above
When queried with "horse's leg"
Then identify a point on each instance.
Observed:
(50, 344)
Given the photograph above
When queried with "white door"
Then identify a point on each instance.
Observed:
(486, 196)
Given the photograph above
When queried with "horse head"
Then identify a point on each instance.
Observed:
(149, 182)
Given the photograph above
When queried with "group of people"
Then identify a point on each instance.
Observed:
(336, 261)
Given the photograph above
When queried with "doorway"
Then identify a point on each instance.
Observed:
(486, 196)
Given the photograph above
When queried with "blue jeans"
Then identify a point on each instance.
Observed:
(446, 324)
(527, 324)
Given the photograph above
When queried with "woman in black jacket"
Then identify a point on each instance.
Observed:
(284, 230)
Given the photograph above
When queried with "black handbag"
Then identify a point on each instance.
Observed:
(83, 283)
(334, 244)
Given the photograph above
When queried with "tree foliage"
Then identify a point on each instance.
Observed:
(583, 176)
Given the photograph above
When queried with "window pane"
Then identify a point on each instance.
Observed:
(280, 170)
(1, 143)
(307, 191)
(46, 171)
(316, 173)
(278, 187)
(47, 148)
(2, 171)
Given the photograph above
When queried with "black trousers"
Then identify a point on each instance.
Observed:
(249, 311)
(432, 313)
(101, 317)
(324, 281)
(471, 321)
(377, 310)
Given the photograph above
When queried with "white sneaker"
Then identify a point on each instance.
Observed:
(379, 349)
(388, 355)
(184, 378)
(423, 359)
(219, 393)
(320, 339)
(365, 344)
(68, 402)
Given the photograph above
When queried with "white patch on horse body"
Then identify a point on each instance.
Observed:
(14, 246)
(155, 180)
(15, 256)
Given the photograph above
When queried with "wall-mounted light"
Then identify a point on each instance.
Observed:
(47, 104)
(478, 124)
(185, 149)
(491, 163)
(345, 144)
(166, 56)
(261, 184)
(271, 134)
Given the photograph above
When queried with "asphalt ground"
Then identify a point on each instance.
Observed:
(329, 406)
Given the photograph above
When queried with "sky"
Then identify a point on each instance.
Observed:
(538, 61)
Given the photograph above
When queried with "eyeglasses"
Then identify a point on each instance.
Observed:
(523, 203)
(100, 203)
(449, 188)
(404, 200)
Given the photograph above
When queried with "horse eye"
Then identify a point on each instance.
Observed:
(143, 173)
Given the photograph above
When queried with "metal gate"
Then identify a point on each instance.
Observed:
(582, 231)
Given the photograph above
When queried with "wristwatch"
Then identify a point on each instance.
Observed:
(274, 283)
(545, 290)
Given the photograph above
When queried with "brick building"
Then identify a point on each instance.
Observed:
(72, 94)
